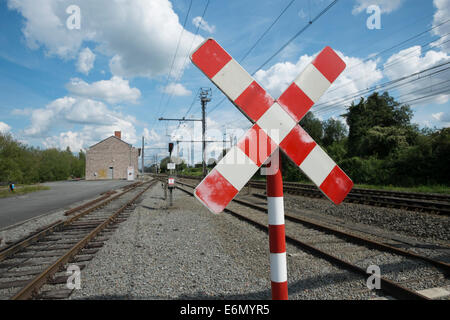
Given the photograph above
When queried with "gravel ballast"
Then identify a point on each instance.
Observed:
(186, 252)
(422, 225)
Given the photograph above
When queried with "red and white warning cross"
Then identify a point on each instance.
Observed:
(275, 125)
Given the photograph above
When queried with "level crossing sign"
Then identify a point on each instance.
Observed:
(275, 125)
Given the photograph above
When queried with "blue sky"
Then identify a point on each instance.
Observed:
(63, 87)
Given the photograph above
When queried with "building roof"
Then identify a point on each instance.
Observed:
(110, 138)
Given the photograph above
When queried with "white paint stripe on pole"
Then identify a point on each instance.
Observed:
(312, 82)
(276, 210)
(278, 268)
(232, 79)
(317, 165)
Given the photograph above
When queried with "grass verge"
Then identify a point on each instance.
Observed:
(421, 189)
(20, 190)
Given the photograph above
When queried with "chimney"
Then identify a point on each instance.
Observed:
(118, 134)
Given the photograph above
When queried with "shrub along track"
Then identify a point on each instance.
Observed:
(351, 252)
(40, 258)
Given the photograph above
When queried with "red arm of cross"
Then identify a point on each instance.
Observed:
(250, 98)
(276, 124)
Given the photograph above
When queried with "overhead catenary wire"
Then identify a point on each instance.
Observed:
(321, 13)
(178, 77)
(285, 45)
(397, 60)
(385, 84)
(371, 57)
(266, 31)
(159, 114)
(340, 102)
(432, 88)
(254, 45)
(384, 51)
(390, 64)
(331, 104)
(174, 55)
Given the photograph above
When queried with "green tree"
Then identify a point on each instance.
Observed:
(313, 126)
(333, 131)
(375, 111)
(383, 141)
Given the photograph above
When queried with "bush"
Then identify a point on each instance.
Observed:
(367, 171)
(22, 164)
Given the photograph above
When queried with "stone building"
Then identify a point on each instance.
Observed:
(111, 158)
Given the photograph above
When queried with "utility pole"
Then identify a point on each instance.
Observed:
(143, 168)
(224, 141)
(205, 97)
(224, 151)
(155, 157)
(181, 120)
(192, 153)
(170, 179)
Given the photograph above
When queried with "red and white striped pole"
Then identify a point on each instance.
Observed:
(277, 239)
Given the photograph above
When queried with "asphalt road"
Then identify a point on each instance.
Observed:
(61, 195)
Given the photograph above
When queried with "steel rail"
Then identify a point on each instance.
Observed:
(400, 200)
(86, 205)
(393, 193)
(390, 287)
(31, 289)
(445, 267)
(378, 201)
(58, 225)
(404, 194)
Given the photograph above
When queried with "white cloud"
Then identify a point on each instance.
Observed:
(177, 89)
(86, 60)
(45, 24)
(151, 135)
(386, 6)
(277, 78)
(438, 116)
(201, 23)
(98, 121)
(302, 14)
(41, 119)
(73, 140)
(140, 35)
(112, 91)
(411, 60)
(22, 112)
(4, 128)
(443, 118)
(441, 16)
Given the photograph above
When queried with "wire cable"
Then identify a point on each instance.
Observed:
(285, 44)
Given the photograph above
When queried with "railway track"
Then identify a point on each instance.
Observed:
(35, 267)
(413, 201)
(399, 277)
